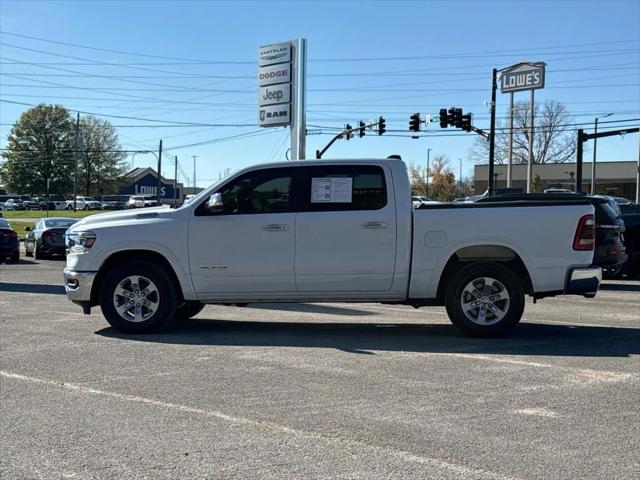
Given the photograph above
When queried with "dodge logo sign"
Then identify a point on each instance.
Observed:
(274, 74)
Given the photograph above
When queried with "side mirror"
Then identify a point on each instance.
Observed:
(214, 204)
(27, 229)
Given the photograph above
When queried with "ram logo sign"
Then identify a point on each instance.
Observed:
(523, 76)
(274, 115)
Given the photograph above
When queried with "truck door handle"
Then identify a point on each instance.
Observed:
(374, 225)
(276, 227)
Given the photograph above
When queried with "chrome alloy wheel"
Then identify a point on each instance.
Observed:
(136, 298)
(485, 301)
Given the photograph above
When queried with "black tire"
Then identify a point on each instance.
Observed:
(27, 253)
(166, 297)
(86, 207)
(493, 326)
(15, 258)
(37, 254)
(188, 310)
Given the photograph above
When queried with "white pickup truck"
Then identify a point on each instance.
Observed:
(329, 231)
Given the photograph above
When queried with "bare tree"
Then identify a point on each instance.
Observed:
(553, 140)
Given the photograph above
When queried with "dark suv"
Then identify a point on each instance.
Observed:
(610, 252)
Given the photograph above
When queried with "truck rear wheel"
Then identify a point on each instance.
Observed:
(138, 297)
(484, 299)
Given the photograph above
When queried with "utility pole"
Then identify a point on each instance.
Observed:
(158, 177)
(428, 152)
(75, 161)
(175, 183)
(530, 159)
(460, 179)
(194, 173)
(509, 165)
(492, 132)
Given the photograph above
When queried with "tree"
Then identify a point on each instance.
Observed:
(100, 161)
(40, 149)
(418, 180)
(553, 140)
(443, 180)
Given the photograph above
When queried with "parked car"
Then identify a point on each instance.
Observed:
(14, 204)
(9, 243)
(114, 202)
(47, 237)
(141, 201)
(43, 203)
(418, 200)
(622, 201)
(84, 203)
(558, 190)
(330, 230)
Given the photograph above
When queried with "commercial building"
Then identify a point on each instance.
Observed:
(612, 178)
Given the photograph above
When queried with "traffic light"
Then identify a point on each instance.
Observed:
(444, 119)
(455, 117)
(414, 122)
(348, 131)
(361, 127)
(381, 126)
(465, 124)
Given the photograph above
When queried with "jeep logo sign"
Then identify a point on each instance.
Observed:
(524, 76)
(274, 115)
(274, 74)
(274, 94)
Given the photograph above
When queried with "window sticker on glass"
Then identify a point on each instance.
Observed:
(331, 190)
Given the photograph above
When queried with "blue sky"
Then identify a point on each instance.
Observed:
(388, 58)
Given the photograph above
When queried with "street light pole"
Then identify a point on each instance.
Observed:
(593, 163)
(428, 152)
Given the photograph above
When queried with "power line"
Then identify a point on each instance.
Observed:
(323, 60)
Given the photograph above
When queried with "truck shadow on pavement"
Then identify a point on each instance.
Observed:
(367, 338)
(31, 288)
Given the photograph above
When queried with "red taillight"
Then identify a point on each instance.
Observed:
(10, 234)
(584, 238)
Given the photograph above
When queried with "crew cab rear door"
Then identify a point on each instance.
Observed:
(345, 229)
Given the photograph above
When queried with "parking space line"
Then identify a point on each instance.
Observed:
(332, 441)
(588, 375)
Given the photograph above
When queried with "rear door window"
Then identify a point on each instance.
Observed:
(343, 187)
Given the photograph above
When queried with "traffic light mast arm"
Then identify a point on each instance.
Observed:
(343, 133)
(480, 132)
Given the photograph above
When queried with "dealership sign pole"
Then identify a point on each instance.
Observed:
(517, 78)
(281, 90)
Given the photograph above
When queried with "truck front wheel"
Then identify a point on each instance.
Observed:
(138, 297)
(484, 299)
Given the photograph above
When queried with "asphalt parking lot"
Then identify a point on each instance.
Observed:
(316, 391)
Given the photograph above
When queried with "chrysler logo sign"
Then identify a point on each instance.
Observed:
(271, 54)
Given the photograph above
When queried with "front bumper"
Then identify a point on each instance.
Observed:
(584, 281)
(78, 286)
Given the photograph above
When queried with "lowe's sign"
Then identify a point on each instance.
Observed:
(523, 76)
(147, 185)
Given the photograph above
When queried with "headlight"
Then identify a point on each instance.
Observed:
(78, 242)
